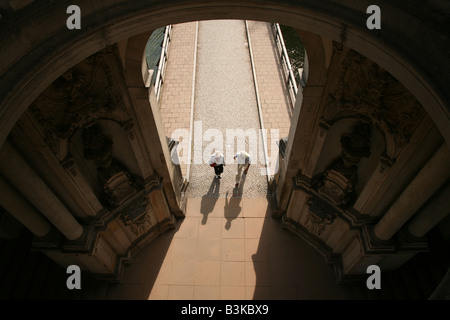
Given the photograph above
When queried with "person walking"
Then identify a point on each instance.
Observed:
(217, 161)
(243, 163)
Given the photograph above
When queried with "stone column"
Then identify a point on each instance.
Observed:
(305, 137)
(303, 131)
(431, 214)
(432, 176)
(28, 182)
(391, 176)
(145, 110)
(20, 209)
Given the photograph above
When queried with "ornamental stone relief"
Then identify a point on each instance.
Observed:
(339, 181)
(367, 92)
(137, 217)
(82, 94)
(117, 182)
(320, 215)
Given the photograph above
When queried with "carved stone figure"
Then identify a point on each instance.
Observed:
(367, 92)
(339, 181)
(137, 217)
(320, 215)
(118, 184)
(82, 94)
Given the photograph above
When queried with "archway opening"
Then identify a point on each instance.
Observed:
(130, 26)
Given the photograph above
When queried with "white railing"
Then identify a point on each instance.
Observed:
(159, 80)
(291, 83)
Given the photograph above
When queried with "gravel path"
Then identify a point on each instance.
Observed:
(225, 102)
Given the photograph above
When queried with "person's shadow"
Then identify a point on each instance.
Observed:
(209, 199)
(232, 206)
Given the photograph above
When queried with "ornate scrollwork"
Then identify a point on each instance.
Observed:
(320, 215)
(82, 94)
(69, 164)
(338, 182)
(367, 92)
(128, 126)
(136, 217)
(118, 184)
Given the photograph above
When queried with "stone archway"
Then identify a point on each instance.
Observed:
(41, 49)
(34, 60)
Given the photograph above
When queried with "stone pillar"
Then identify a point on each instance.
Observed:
(28, 182)
(431, 214)
(435, 172)
(304, 129)
(145, 110)
(388, 178)
(150, 124)
(20, 209)
(306, 135)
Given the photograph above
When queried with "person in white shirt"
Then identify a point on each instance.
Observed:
(244, 160)
(217, 161)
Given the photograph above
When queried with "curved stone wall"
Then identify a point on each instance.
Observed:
(412, 44)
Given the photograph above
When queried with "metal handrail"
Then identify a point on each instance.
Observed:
(163, 61)
(286, 63)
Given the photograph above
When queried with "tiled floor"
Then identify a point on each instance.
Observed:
(233, 250)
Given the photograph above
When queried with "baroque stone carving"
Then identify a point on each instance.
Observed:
(128, 126)
(82, 94)
(137, 217)
(118, 184)
(367, 92)
(69, 164)
(338, 182)
(336, 187)
(319, 216)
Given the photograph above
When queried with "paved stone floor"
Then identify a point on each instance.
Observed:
(228, 246)
(229, 250)
(275, 102)
(225, 110)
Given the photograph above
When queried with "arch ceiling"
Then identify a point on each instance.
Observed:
(413, 43)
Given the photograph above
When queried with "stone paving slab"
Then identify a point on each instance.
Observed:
(253, 259)
(224, 99)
